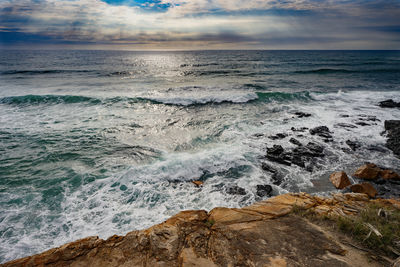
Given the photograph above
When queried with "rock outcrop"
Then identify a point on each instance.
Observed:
(392, 128)
(339, 180)
(263, 234)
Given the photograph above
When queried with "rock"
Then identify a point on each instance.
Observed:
(267, 167)
(344, 115)
(364, 117)
(302, 114)
(361, 123)
(389, 175)
(353, 145)
(198, 183)
(393, 142)
(264, 190)
(302, 129)
(236, 190)
(340, 180)
(365, 188)
(391, 125)
(295, 142)
(266, 233)
(278, 154)
(345, 125)
(275, 150)
(389, 104)
(321, 131)
(368, 171)
(277, 136)
(277, 178)
(315, 149)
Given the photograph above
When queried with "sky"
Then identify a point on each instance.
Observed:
(199, 24)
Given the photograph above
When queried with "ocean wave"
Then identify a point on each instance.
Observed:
(47, 99)
(228, 97)
(343, 71)
(39, 72)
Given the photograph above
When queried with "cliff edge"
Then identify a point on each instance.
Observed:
(267, 233)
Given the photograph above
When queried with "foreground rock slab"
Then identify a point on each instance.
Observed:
(263, 234)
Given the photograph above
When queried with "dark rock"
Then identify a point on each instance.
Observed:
(344, 125)
(277, 178)
(275, 150)
(277, 136)
(278, 154)
(295, 142)
(258, 135)
(298, 160)
(368, 118)
(389, 104)
(236, 190)
(344, 115)
(393, 142)
(353, 145)
(392, 125)
(316, 149)
(267, 167)
(302, 114)
(321, 131)
(264, 190)
(361, 123)
(302, 129)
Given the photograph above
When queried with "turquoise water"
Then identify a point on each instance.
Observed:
(105, 142)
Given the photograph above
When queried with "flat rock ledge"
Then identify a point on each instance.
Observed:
(266, 233)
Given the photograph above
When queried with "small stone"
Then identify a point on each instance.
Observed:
(264, 190)
(368, 171)
(389, 175)
(295, 142)
(198, 183)
(365, 188)
(340, 180)
(353, 145)
(236, 190)
(389, 104)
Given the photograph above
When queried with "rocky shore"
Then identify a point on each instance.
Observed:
(267, 233)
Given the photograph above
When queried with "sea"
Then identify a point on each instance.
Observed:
(107, 142)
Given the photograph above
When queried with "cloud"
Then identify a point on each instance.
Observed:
(180, 24)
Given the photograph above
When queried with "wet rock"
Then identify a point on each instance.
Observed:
(301, 129)
(391, 125)
(302, 114)
(361, 123)
(340, 180)
(344, 125)
(353, 145)
(236, 190)
(389, 175)
(389, 104)
(317, 150)
(295, 142)
(277, 178)
(197, 183)
(278, 154)
(368, 118)
(393, 142)
(321, 131)
(258, 135)
(269, 168)
(275, 150)
(344, 115)
(298, 160)
(264, 190)
(364, 188)
(368, 171)
(278, 136)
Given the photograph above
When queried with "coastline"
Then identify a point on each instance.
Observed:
(267, 233)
